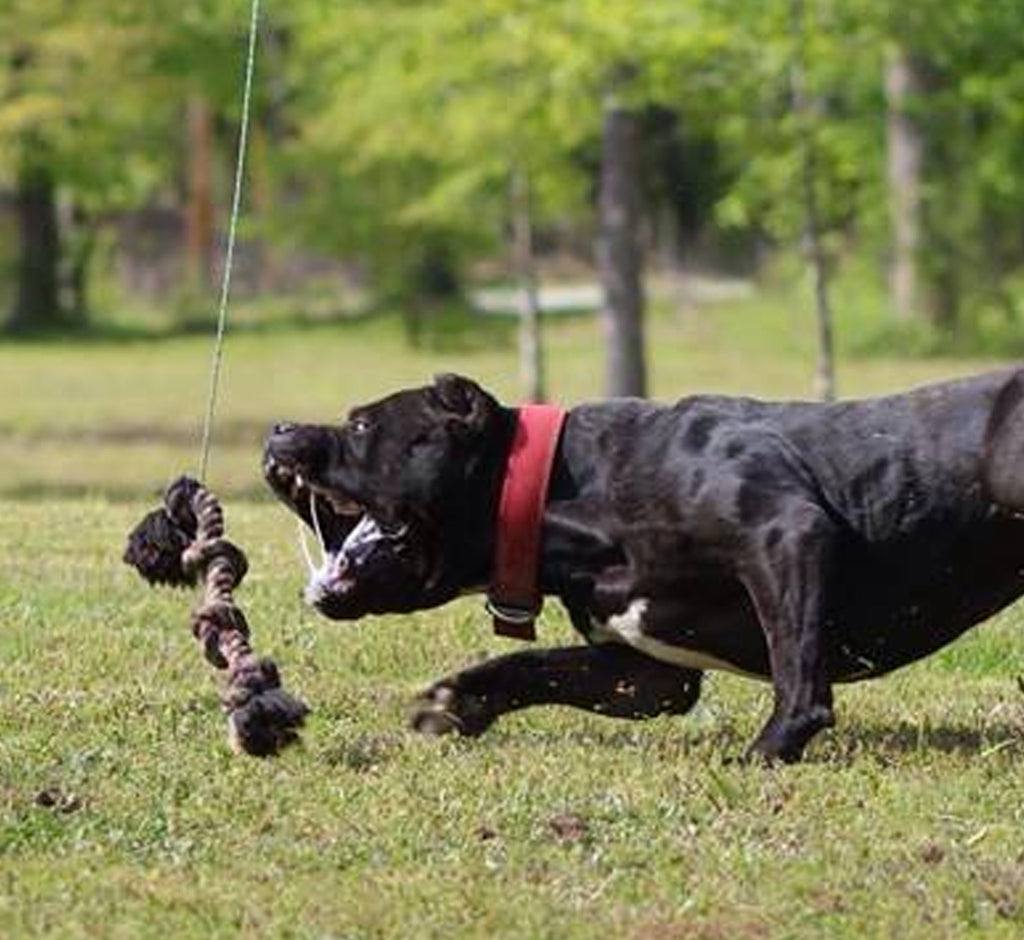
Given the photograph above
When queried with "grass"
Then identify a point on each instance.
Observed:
(906, 819)
(118, 417)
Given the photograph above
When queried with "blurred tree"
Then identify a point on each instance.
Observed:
(531, 347)
(620, 253)
(196, 62)
(24, 111)
(74, 139)
(956, 81)
(200, 235)
(905, 146)
(796, 116)
(92, 105)
(423, 111)
(36, 302)
(422, 114)
(416, 136)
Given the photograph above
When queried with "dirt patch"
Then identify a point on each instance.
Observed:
(55, 799)
(568, 827)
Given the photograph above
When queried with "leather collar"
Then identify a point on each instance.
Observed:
(514, 598)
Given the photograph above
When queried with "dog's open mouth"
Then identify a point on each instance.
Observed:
(352, 544)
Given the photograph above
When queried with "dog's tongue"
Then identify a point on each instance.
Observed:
(338, 569)
(360, 542)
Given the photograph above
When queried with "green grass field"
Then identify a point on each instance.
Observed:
(905, 821)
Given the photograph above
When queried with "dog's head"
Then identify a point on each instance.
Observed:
(396, 496)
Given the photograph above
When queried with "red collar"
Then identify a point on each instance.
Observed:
(515, 598)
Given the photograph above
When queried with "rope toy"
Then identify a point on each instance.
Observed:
(182, 544)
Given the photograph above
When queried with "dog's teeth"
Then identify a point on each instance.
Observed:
(299, 480)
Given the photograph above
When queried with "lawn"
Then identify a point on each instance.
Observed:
(905, 820)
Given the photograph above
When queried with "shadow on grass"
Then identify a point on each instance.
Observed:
(905, 738)
(843, 745)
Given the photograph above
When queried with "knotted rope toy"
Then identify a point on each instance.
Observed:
(181, 544)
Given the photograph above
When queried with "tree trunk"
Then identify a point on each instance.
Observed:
(531, 349)
(78, 241)
(942, 238)
(619, 253)
(262, 208)
(825, 375)
(199, 223)
(905, 158)
(37, 302)
(805, 108)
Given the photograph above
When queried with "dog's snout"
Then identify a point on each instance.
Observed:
(299, 447)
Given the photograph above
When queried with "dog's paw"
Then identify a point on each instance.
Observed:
(442, 709)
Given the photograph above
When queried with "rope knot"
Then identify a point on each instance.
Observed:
(182, 543)
(202, 553)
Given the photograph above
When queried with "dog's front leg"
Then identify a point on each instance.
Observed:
(612, 680)
(788, 575)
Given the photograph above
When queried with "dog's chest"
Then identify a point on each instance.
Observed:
(633, 627)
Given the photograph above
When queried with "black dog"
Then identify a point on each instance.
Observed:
(803, 543)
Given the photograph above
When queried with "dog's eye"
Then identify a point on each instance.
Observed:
(358, 427)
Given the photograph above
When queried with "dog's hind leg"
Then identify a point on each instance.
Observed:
(1003, 467)
(610, 680)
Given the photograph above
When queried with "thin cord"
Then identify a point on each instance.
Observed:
(229, 258)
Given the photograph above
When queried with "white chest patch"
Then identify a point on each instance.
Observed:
(627, 628)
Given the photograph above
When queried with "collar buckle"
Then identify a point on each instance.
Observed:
(512, 620)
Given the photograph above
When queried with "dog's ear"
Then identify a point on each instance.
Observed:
(463, 399)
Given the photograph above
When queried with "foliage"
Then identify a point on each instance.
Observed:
(423, 112)
(69, 89)
(389, 129)
(767, 135)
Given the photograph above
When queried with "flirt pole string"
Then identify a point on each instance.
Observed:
(229, 257)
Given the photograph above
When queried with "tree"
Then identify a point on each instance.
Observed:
(92, 104)
(620, 254)
(432, 108)
(531, 347)
(807, 112)
(37, 301)
(905, 148)
(797, 115)
(196, 65)
(199, 215)
(956, 119)
(74, 134)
